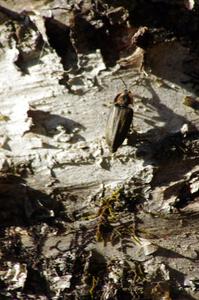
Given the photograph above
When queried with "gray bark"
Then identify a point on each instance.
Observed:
(79, 222)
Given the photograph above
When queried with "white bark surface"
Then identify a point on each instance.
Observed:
(56, 133)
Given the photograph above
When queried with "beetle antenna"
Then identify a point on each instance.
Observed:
(124, 83)
(126, 88)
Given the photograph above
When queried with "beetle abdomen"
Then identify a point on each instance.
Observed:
(118, 125)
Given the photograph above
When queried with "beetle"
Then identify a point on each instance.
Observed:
(119, 120)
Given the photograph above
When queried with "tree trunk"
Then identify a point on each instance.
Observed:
(78, 221)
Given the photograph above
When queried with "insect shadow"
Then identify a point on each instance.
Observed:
(168, 148)
(156, 137)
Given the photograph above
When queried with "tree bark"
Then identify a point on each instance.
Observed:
(77, 221)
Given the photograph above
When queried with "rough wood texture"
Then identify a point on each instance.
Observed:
(78, 222)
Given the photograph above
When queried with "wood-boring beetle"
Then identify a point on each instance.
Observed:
(119, 120)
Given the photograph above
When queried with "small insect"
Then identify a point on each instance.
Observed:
(120, 119)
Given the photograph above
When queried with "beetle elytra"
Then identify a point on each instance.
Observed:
(120, 119)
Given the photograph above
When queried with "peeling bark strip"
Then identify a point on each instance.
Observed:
(78, 223)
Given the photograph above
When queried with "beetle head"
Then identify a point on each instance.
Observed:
(124, 99)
